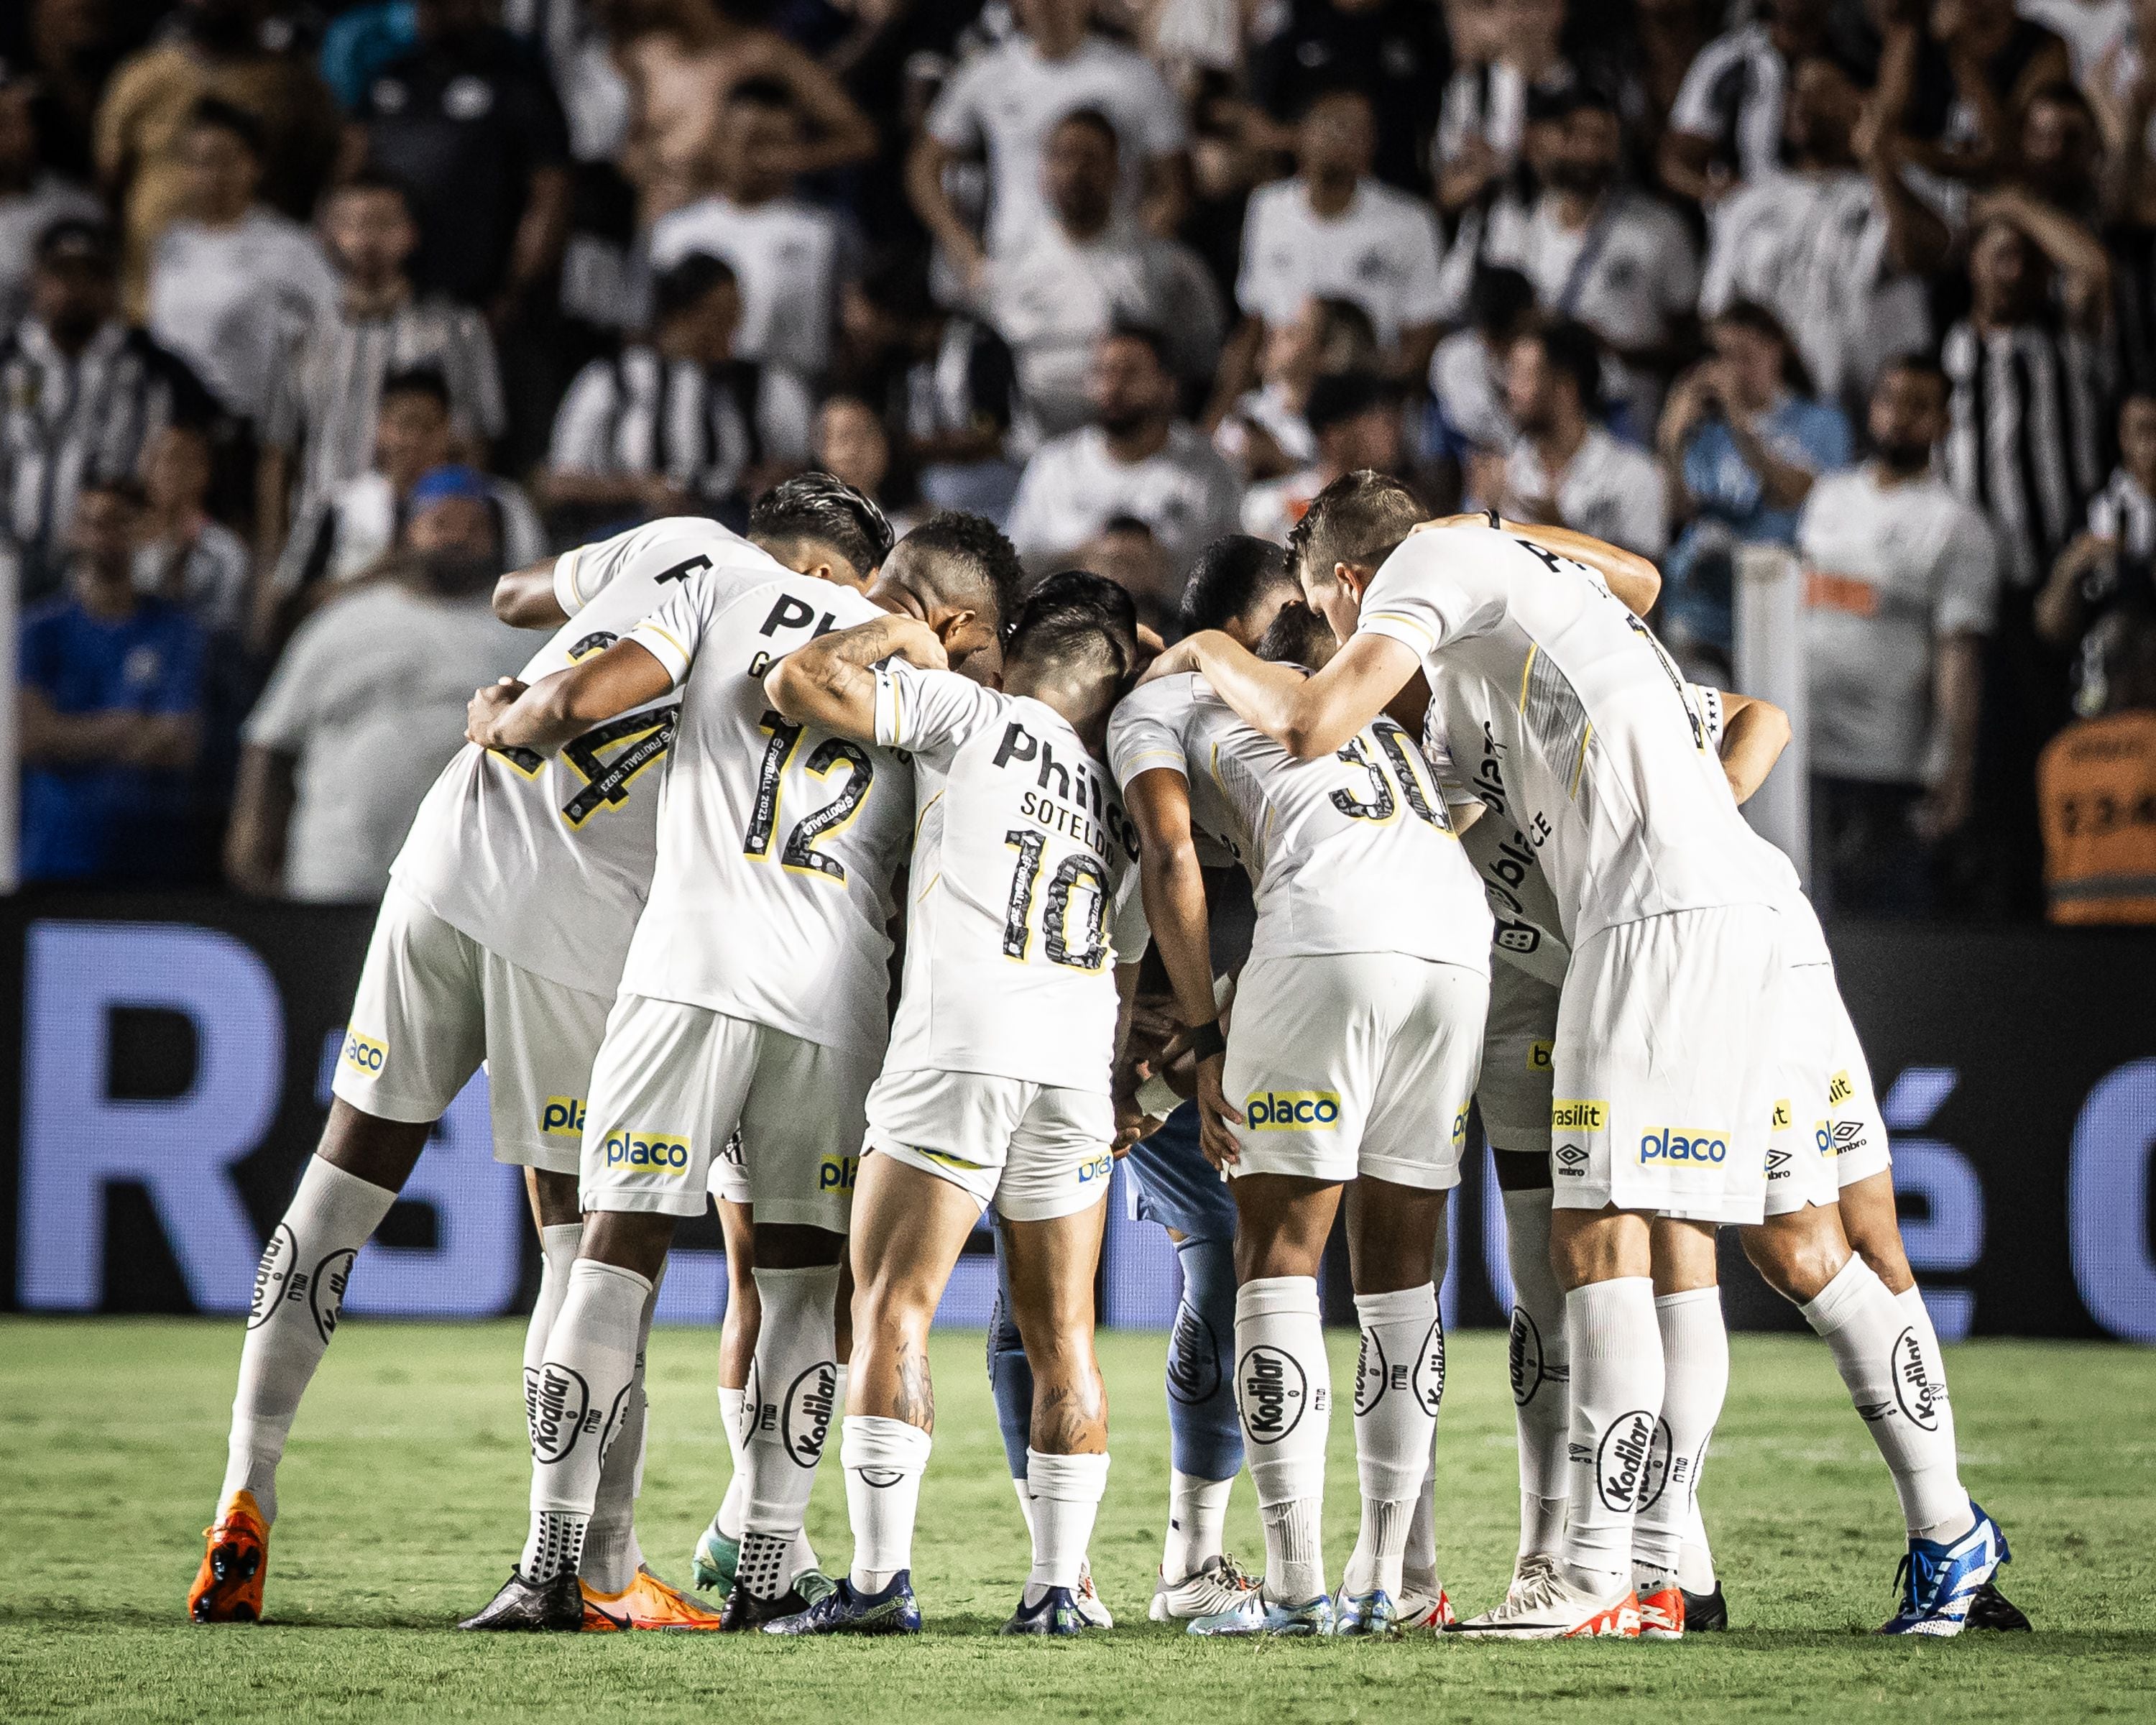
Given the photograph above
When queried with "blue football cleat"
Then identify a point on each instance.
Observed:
(847, 1611)
(1373, 1613)
(1056, 1612)
(1939, 1582)
(1255, 1614)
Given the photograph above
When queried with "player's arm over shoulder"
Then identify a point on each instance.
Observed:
(833, 681)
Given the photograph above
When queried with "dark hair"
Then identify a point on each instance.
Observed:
(373, 179)
(1126, 329)
(897, 282)
(682, 286)
(965, 561)
(1361, 518)
(1346, 339)
(1094, 120)
(1751, 315)
(225, 116)
(1298, 635)
(1077, 613)
(762, 93)
(1571, 349)
(418, 380)
(1125, 523)
(1338, 397)
(1226, 580)
(1499, 298)
(818, 505)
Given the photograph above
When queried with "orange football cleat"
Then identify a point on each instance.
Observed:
(647, 1602)
(228, 1586)
(1662, 1615)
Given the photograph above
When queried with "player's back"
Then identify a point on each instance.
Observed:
(545, 860)
(1353, 852)
(777, 842)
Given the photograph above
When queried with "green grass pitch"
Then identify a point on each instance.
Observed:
(403, 1505)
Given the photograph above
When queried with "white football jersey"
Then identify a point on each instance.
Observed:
(1023, 886)
(545, 860)
(777, 841)
(1608, 768)
(1351, 854)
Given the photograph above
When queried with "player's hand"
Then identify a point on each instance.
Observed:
(1133, 1124)
(487, 705)
(1214, 1113)
(1181, 657)
(914, 642)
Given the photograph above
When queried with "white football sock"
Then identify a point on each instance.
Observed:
(558, 1256)
(1888, 1356)
(1066, 1497)
(1541, 1373)
(1399, 1376)
(583, 1396)
(796, 1380)
(1616, 1399)
(1023, 1490)
(1197, 1517)
(612, 1556)
(1419, 1563)
(731, 1416)
(1695, 1563)
(884, 1459)
(299, 1287)
(1695, 1381)
(1284, 1396)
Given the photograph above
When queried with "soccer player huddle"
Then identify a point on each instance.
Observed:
(1492, 838)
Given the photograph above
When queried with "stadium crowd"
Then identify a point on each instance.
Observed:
(317, 319)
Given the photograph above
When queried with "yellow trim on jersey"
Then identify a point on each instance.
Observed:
(1579, 771)
(922, 820)
(1181, 761)
(1526, 670)
(686, 655)
(1369, 617)
(575, 561)
(930, 887)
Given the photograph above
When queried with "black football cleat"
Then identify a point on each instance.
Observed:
(1706, 1613)
(1988, 1609)
(554, 1607)
(1057, 1614)
(745, 1611)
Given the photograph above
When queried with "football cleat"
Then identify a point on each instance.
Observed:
(1422, 1610)
(1372, 1614)
(235, 1564)
(1662, 1615)
(715, 1560)
(844, 1611)
(1218, 1585)
(1939, 1581)
(1255, 1614)
(647, 1602)
(1542, 1606)
(1055, 1613)
(556, 1607)
(744, 1610)
(1988, 1609)
(1707, 1614)
(1090, 1605)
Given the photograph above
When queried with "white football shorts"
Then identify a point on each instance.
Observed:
(1355, 1063)
(433, 1004)
(1036, 1151)
(1667, 1043)
(1860, 1129)
(673, 1081)
(1801, 1160)
(1514, 1089)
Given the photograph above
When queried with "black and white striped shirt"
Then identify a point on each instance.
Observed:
(2025, 439)
(325, 397)
(65, 420)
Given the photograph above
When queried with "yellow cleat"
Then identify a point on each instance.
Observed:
(236, 1562)
(647, 1602)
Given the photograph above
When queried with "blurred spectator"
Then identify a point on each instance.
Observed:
(1137, 460)
(31, 197)
(345, 529)
(1742, 440)
(1837, 252)
(230, 279)
(1566, 469)
(1356, 421)
(1264, 434)
(1085, 271)
(852, 445)
(466, 120)
(1467, 371)
(181, 555)
(1901, 583)
(1502, 50)
(2096, 786)
(1126, 552)
(677, 425)
(109, 711)
(1597, 250)
(79, 394)
(1955, 78)
(1726, 127)
(2107, 576)
(366, 706)
(1392, 53)
(319, 431)
(216, 49)
(786, 254)
(1005, 102)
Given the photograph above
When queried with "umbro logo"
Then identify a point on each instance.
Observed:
(1569, 1160)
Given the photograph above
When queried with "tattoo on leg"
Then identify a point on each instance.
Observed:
(916, 1401)
(1065, 1416)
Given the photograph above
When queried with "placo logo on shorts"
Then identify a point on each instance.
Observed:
(1099, 1167)
(1681, 1143)
(1579, 1116)
(1538, 1056)
(563, 1117)
(656, 1152)
(1823, 1136)
(1459, 1129)
(1839, 1089)
(838, 1174)
(1784, 1114)
(364, 1055)
(1291, 1111)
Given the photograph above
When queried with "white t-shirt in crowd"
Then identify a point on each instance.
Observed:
(1605, 754)
(1023, 886)
(1738, 84)
(371, 695)
(1888, 570)
(361, 518)
(227, 300)
(788, 258)
(1382, 252)
(777, 841)
(1073, 486)
(1353, 852)
(1271, 509)
(1468, 380)
(545, 860)
(1611, 489)
(1629, 275)
(1007, 100)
